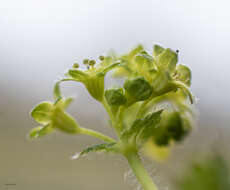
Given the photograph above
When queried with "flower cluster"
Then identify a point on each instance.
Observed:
(151, 108)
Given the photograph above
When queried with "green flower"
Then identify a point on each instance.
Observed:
(53, 116)
(160, 70)
(93, 77)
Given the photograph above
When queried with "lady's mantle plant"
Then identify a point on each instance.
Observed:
(151, 109)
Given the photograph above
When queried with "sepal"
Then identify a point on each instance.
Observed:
(41, 131)
(42, 112)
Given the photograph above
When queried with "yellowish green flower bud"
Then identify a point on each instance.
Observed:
(138, 88)
(115, 97)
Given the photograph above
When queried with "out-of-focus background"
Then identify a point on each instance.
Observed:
(39, 40)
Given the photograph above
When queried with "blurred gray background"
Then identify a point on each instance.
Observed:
(39, 40)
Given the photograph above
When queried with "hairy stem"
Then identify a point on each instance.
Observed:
(96, 134)
(112, 117)
(140, 172)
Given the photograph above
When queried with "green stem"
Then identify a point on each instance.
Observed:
(96, 134)
(140, 111)
(112, 117)
(140, 172)
(107, 108)
(119, 118)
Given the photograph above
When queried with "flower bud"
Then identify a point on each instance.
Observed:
(115, 97)
(138, 88)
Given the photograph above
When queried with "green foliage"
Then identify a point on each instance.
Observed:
(142, 129)
(172, 127)
(150, 81)
(106, 147)
(212, 174)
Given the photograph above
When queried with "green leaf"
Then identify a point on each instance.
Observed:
(157, 50)
(57, 91)
(150, 123)
(167, 60)
(138, 88)
(38, 132)
(42, 112)
(106, 147)
(115, 97)
(142, 129)
(64, 122)
(173, 126)
(183, 74)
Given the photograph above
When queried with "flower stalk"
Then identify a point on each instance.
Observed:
(140, 172)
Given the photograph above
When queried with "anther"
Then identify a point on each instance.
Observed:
(101, 57)
(75, 65)
(92, 62)
(86, 61)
